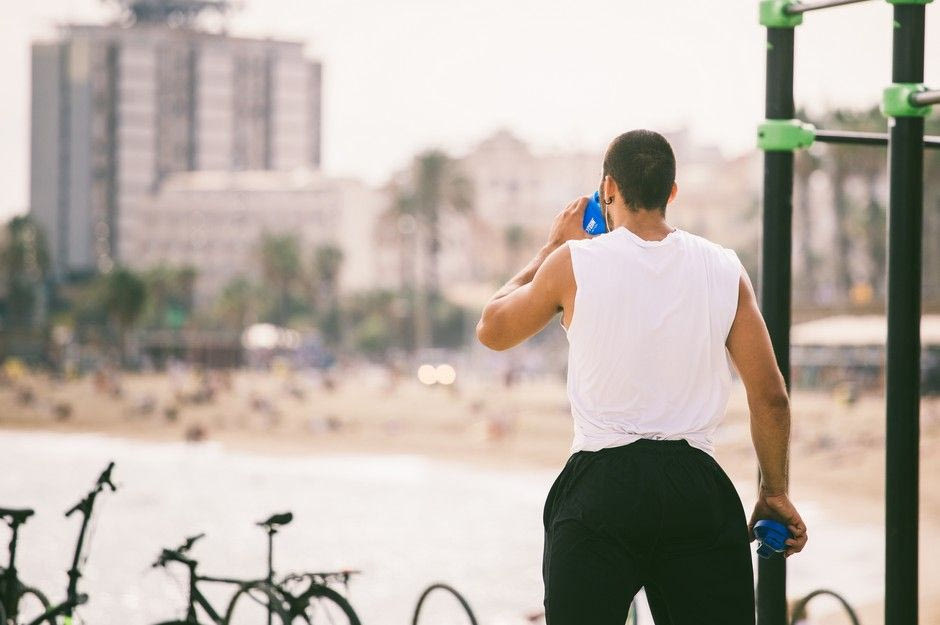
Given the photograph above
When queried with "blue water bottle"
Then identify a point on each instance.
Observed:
(594, 222)
(770, 537)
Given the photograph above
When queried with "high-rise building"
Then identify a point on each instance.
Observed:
(118, 109)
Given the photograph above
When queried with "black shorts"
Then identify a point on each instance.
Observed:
(659, 515)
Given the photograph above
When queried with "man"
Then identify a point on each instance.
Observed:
(651, 314)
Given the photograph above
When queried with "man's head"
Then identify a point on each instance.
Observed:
(642, 166)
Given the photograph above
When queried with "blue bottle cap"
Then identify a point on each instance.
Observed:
(770, 537)
(594, 222)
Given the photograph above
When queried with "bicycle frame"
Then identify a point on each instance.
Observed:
(196, 598)
(9, 582)
(12, 587)
(85, 507)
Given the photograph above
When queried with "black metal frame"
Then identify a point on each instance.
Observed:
(775, 276)
(906, 143)
(902, 384)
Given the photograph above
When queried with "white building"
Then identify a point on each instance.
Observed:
(214, 220)
(118, 110)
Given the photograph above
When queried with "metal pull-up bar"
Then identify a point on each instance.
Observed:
(847, 137)
(803, 7)
(907, 102)
(925, 98)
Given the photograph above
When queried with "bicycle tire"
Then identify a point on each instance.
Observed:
(315, 594)
(46, 606)
(271, 596)
(449, 589)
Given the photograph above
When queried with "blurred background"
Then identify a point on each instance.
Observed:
(245, 245)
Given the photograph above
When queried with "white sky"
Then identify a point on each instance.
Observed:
(405, 75)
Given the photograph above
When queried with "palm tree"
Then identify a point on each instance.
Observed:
(281, 269)
(235, 303)
(123, 298)
(439, 189)
(24, 263)
(327, 262)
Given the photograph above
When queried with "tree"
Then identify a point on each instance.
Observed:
(24, 263)
(171, 295)
(436, 189)
(281, 269)
(327, 262)
(236, 303)
(123, 296)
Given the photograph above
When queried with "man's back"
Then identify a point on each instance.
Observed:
(647, 356)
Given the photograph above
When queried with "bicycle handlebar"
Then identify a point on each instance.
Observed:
(170, 555)
(186, 546)
(103, 480)
(177, 554)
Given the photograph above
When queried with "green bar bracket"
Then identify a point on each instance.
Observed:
(909, 1)
(896, 101)
(773, 14)
(785, 135)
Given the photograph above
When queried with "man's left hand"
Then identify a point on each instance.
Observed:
(568, 224)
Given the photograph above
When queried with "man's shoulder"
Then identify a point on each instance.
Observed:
(711, 246)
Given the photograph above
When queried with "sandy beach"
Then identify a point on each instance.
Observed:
(837, 459)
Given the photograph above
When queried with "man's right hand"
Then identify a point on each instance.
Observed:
(779, 508)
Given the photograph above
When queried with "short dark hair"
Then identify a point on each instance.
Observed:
(643, 165)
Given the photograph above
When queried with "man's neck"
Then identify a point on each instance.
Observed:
(646, 224)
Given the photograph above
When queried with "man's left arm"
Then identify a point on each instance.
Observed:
(526, 303)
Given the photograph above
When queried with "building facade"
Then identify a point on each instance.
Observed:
(117, 111)
(214, 221)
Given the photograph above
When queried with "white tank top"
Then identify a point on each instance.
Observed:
(647, 355)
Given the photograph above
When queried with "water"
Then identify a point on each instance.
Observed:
(406, 521)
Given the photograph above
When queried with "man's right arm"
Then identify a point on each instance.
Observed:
(752, 352)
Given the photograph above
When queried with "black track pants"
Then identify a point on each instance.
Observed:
(660, 515)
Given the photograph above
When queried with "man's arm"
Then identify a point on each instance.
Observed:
(753, 355)
(526, 303)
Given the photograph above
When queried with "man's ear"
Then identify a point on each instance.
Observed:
(673, 193)
(609, 189)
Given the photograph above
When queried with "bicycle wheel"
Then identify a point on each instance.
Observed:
(321, 605)
(452, 610)
(250, 604)
(31, 606)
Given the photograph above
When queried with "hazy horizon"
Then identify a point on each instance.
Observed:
(562, 76)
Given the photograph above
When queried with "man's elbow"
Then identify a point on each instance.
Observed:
(775, 404)
(488, 336)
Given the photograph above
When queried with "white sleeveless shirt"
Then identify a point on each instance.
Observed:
(647, 355)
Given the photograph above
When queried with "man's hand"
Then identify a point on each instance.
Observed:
(779, 508)
(569, 224)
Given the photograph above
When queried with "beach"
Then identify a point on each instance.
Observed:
(460, 472)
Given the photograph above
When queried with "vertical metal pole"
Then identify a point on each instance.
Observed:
(775, 276)
(905, 231)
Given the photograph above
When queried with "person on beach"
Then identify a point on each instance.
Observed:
(652, 314)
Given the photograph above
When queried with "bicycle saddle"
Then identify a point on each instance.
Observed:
(278, 519)
(17, 516)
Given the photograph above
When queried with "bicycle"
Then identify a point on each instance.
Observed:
(448, 590)
(13, 591)
(316, 604)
